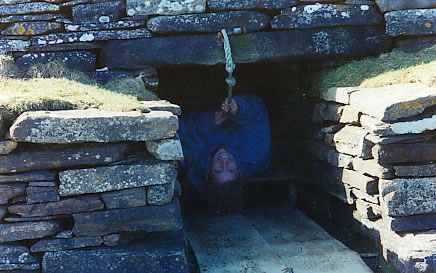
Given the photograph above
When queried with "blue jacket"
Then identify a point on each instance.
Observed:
(245, 135)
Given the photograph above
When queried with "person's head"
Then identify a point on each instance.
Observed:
(223, 167)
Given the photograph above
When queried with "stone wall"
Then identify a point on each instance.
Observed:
(90, 190)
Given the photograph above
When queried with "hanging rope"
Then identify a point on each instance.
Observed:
(230, 66)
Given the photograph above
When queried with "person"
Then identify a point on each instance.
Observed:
(223, 148)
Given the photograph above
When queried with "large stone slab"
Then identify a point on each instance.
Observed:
(92, 126)
(373, 167)
(104, 26)
(26, 8)
(42, 194)
(80, 60)
(127, 198)
(399, 101)
(409, 138)
(209, 22)
(166, 149)
(89, 36)
(381, 128)
(65, 206)
(351, 140)
(350, 115)
(29, 177)
(160, 255)
(66, 244)
(367, 209)
(326, 15)
(408, 196)
(10, 191)
(30, 18)
(360, 181)
(416, 170)
(405, 153)
(15, 254)
(103, 12)
(119, 177)
(388, 5)
(7, 46)
(164, 7)
(53, 157)
(161, 105)
(411, 223)
(148, 218)
(160, 194)
(338, 94)
(250, 4)
(340, 160)
(28, 230)
(252, 47)
(77, 46)
(411, 22)
(31, 28)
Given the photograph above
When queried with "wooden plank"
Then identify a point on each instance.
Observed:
(230, 244)
(302, 245)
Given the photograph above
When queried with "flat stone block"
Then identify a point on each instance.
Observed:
(103, 12)
(399, 101)
(28, 230)
(340, 160)
(30, 18)
(10, 191)
(7, 46)
(388, 5)
(164, 7)
(412, 22)
(31, 28)
(104, 26)
(416, 170)
(408, 196)
(165, 255)
(162, 105)
(166, 149)
(92, 126)
(373, 167)
(250, 4)
(15, 254)
(351, 140)
(350, 115)
(41, 158)
(66, 206)
(66, 244)
(26, 8)
(326, 15)
(42, 194)
(209, 22)
(411, 223)
(405, 153)
(160, 194)
(371, 198)
(252, 47)
(148, 218)
(80, 60)
(360, 181)
(128, 198)
(368, 210)
(338, 94)
(118, 177)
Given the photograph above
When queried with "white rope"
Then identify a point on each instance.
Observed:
(230, 66)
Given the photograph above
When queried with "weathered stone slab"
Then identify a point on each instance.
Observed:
(413, 43)
(164, 7)
(3, 211)
(351, 140)
(80, 60)
(42, 194)
(27, 177)
(30, 18)
(20, 268)
(128, 198)
(338, 94)
(374, 199)
(15, 254)
(408, 196)
(92, 126)
(160, 194)
(108, 11)
(399, 101)
(250, 4)
(340, 160)
(416, 138)
(166, 255)
(350, 115)
(35, 219)
(9, 191)
(360, 181)
(89, 36)
(148, 218)
(104, 26)
(7, 147)
(28, 230)
(162, 105)
(78, 46)
(66, 206)
(416, 170)
(411, 223)
(13, 45)
(166, 149)
(327, 112)
(66, 234)
(373, 167)
(368, 210)
(399, 128)
(26, 8)
(66, 244)
(66, 157)
(209, 22)
(280, 45)
(326, 15)
(411, 22)
(119, 177)
(388, 5)
(31, 28)
(43, 184)
(405, 153)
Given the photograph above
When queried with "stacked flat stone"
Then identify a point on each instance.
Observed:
(91, 190)
(378, 155)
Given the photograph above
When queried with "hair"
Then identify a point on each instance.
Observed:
(226, 198)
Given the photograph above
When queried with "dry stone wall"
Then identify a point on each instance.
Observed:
(91, 190)
(377, 155)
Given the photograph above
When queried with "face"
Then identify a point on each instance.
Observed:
(224, 166)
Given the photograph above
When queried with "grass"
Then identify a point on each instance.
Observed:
(53, 86)
(391, 68)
